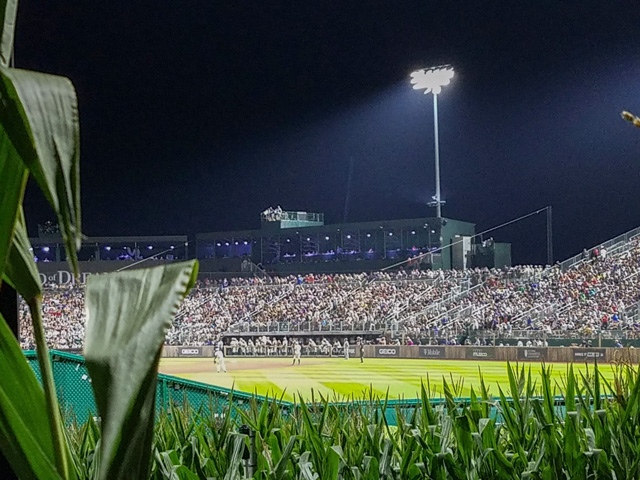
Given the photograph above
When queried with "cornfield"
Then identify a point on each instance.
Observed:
(581, 428)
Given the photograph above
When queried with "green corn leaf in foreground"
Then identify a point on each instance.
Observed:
(39, 113)
(8, 11)
(129, 314)
(13, 178)
(20, 270)
(21, 273)
(26, 438)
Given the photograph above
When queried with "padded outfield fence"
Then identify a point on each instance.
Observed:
(77, 401)
(441, 352)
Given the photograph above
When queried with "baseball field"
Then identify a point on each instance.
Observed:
(338, 378)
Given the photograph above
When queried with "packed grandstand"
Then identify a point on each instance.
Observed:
(598, 292)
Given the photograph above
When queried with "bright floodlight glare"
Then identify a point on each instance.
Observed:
(432, 79)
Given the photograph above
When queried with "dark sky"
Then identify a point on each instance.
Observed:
(197, 115)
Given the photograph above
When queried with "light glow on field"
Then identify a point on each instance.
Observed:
(336, 376)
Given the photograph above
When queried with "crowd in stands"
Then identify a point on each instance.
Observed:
(599, 293)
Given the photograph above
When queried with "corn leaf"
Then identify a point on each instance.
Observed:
(8, 11)
(25, 435)
(129, 314)
(39, 113)
(20, 269)
(21, 273)
(281, 466)
(236, 449)
(13, 175)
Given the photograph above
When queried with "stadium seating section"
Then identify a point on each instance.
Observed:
(595, 293)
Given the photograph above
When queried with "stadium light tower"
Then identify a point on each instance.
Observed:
(432, 80)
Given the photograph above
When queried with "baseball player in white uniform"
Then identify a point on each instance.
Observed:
(219, 360)
(297, 349)
(346, 349)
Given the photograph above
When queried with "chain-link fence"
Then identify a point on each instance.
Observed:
(75, 393)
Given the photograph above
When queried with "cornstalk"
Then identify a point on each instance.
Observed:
(46, 371)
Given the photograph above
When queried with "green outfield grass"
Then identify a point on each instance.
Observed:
(334, 376)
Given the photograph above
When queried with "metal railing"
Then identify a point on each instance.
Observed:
(617, 247)
(278, 215)
(324, 322)
(609, 334)
(579, 258)
(284, 295)
(626, 318)
(558, 309)
(394, 315)
(631, 313)
(302, 216)
(535, 313)
(453, 294)
(438, 309)
(327, 326)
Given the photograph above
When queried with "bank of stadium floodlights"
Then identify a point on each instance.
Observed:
(431, 80)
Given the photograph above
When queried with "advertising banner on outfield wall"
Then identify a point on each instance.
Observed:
(481, 353)
(432, 352)
(532, 353)
(189, 351)
(387, 351)
(57, 273)
(588, 354)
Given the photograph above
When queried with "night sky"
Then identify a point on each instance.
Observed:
(197, 115)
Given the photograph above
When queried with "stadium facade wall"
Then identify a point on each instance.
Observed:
(58, 273)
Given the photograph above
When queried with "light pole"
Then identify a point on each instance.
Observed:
(432, 80)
